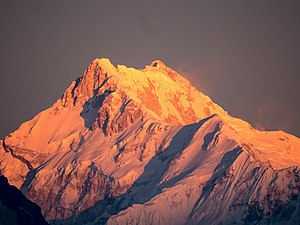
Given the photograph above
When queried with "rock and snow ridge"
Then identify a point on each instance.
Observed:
(128, 146)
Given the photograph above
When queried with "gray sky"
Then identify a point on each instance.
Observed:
(244, 54)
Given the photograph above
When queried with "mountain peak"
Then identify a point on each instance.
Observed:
(102, 61)
(157, 89)
(158, 64)
(105, 64)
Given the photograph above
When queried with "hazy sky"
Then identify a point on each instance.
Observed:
(244, 54)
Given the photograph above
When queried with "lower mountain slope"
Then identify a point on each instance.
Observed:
(202, 177)
(15, 208)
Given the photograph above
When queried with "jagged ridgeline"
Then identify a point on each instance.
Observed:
(143, 146)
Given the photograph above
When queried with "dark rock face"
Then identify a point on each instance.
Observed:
(15, 208)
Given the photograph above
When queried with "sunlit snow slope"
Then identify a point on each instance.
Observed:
(128, 146)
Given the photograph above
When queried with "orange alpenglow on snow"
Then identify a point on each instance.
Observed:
(99, 139)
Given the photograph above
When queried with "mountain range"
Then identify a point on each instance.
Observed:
(143, 146)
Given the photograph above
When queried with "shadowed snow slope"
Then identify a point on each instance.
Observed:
(128, 146)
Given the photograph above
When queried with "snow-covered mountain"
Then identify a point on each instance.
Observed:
(128, 146)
